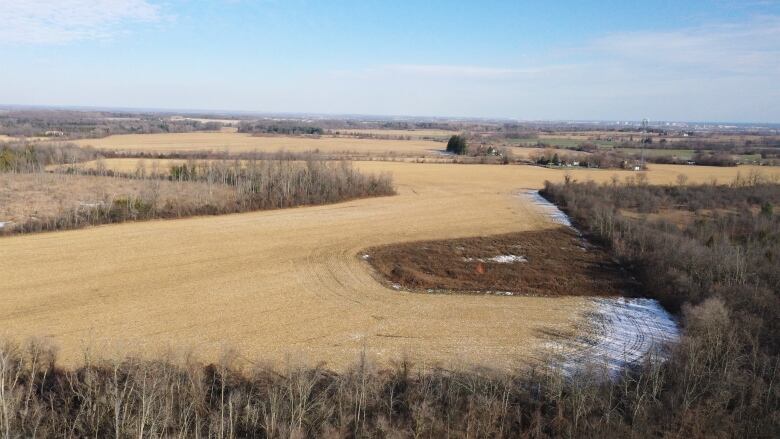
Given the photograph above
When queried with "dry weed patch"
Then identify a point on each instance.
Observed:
(553, 262)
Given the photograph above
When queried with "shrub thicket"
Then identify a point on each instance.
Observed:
(34, 157)
(254, 185)
(269, 184)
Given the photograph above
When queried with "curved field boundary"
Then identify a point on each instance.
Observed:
(618, 332)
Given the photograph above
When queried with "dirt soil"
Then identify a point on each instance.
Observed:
(553, 262)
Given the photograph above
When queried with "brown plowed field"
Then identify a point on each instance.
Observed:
(289, 283)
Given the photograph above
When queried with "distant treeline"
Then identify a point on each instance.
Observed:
(75, 124)
(604, 159)
(614, 157)
(288, 128)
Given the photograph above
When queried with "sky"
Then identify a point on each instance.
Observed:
(693, 60)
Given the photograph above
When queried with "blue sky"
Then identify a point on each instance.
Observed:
(666, 60)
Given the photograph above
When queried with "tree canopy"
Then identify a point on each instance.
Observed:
(457, 145)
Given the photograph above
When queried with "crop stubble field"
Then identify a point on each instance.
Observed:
(288, 284)
(241, 142)
(244, 143)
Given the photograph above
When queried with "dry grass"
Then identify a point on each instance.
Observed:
(678, 217)
(240, 142)
(529, 152)
(125, 166)
(288, 283)
(6, 138)
(38, 195)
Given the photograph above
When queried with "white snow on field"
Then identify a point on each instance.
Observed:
(619, 331)
(549, 209)
(500, 259)
(507, 259)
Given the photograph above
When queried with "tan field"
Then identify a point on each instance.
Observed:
(528, 152)
(241, 142)
(289, 284)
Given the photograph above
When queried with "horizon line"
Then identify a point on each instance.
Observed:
(225, 112)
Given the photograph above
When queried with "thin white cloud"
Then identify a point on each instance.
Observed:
(716, 71)
(447, 71)
(462, 71)
(64, 21)
(749, 46)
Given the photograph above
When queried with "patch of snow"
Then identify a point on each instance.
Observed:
(500, 259)
(366, 256)
(549, 209)
(507, 259)
(396, 286)
(4, 223)
(621, 332)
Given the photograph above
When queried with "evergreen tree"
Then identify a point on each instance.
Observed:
(457, 145)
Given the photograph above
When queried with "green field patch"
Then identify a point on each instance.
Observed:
(685, 154)
(560, 142)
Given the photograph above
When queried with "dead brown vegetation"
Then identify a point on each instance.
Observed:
(554, 262)
(41, 197)
(77, 196)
